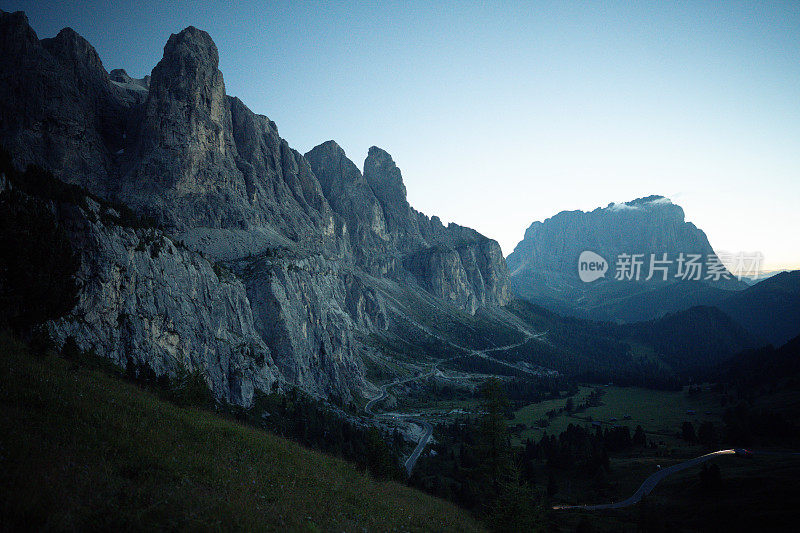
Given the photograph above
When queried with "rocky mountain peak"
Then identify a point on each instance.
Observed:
(386, 182)
(119, 75)
(185, 132)
(648, 224)
(332, 167)
(16, 34)
(192, 43)
(68, 42)
(189, 66)
(384, 177)
(79, 57)
(122, 79)
(649, 206)
(544, 265)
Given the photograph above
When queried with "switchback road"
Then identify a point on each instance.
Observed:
(426, 426)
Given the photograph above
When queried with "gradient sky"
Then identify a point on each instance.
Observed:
(502, 114)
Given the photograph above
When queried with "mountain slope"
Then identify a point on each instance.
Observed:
(82, 450)
(769, 309)
(659, 353)
(698, 337)
(284, 263)
(765, 366)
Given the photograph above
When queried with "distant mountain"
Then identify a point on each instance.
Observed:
(544, 266)
(768, 310)
(761, 276)
(661, 353)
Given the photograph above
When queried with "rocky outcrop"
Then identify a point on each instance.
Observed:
(351, 196)
(308, 309)
(645, 225)
(386, 182)
(266, 265)
(185, 172)
(282, 191)
(57, 109)
(392, 239)
(147, 300)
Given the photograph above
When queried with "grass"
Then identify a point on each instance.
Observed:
(529, 414)
(660, 413)
(80, 449)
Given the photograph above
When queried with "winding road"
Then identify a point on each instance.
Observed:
(424, 424)
(651, 482)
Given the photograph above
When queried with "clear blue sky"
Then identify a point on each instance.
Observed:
(500, 115)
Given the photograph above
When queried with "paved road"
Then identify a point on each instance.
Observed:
(650, 483)
(426, 437)
(376, 399)
(426, 426)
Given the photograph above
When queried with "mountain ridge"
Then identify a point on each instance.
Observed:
(304, 256)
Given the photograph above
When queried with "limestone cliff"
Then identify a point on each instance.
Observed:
(263, 264)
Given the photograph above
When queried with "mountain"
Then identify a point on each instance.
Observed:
(689, 340)
(764, 366)
(659, 353)
(544, 266)
(770, 309)
(260, 266)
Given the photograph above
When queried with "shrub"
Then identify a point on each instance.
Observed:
(189, 389)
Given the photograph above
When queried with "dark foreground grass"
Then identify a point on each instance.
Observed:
(80, 449)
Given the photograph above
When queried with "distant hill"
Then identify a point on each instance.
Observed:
(662, 353)
(693, 339)
(770, 309)
(763, 366)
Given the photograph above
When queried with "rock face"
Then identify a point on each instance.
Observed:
(58, 107)
(145, 299)
(454, 263)
(184, 140)
(544, 265)
(265, 264)
(645, 225)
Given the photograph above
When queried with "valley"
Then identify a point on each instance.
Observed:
(205, 328)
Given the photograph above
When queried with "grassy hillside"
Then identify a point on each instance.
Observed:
(82, 450)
